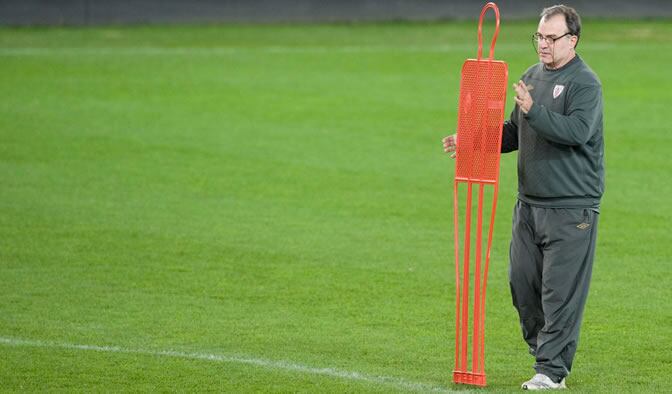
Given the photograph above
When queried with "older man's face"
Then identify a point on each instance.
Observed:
(556, 53)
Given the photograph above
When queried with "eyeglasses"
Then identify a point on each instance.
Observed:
(550, 40)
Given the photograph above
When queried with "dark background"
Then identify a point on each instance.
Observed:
(91, 12)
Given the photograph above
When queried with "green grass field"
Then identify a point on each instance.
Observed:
(268, 208)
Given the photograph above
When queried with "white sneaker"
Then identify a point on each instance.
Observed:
(543, 382)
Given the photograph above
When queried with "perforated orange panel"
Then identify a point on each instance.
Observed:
(480, 119)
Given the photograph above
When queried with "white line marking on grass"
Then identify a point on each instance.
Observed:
(397, 383)
(228, 51)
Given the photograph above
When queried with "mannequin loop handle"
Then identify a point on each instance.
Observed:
(480, 31)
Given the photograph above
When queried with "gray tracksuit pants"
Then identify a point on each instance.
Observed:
(551, 260)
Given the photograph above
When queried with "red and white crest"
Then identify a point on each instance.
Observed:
(557, 90)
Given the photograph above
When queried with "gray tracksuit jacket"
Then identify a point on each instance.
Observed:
(560, 141)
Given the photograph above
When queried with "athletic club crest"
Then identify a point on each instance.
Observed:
(557, 90)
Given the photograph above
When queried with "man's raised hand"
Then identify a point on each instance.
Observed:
(523, 97)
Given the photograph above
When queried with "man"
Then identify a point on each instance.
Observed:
(556, 126)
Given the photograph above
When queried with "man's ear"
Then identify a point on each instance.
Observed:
(574, 40)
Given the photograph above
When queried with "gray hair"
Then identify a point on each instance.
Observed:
(572, 18)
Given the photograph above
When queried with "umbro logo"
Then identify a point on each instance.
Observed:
(583, 226)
